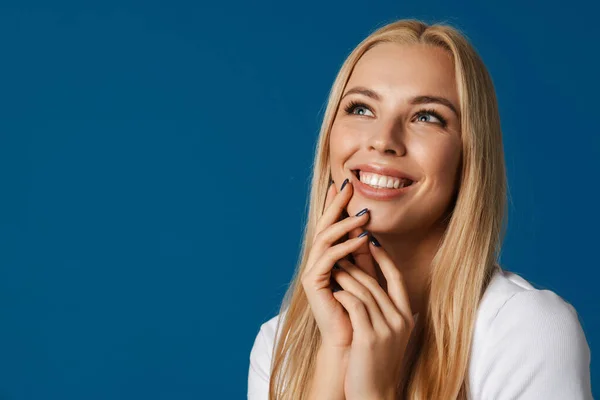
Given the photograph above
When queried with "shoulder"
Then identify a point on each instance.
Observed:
(262, 349)
(261, 354)
(267, 331)
(511, 308)
(524, 341)
(511, 299)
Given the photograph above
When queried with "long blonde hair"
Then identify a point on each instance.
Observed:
(464, 262)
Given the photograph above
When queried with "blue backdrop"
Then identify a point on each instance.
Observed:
(154, 165)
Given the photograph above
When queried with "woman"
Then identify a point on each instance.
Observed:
(398, 293)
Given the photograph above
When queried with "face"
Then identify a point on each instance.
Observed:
(398, 124)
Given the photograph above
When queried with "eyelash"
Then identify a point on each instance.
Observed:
(353, 104)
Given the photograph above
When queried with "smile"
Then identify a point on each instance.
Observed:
(382, 182)
(380, 187)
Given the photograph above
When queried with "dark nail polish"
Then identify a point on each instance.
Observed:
(365, 233)
(344, 184)
(361, 212)
(375, 242)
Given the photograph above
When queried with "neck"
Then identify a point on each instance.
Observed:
(412, 253)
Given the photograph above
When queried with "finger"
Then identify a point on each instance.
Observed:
(322, 267)
(333, 233)
(396, 286)
(350, 284)
(362, 256)
(359, 317)
(387, 307)
(332, 213)
(331, 192)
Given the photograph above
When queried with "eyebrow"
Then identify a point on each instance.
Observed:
(426, 99)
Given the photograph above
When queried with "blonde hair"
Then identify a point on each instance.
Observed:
(466, 257)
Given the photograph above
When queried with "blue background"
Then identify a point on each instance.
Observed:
(154, 166)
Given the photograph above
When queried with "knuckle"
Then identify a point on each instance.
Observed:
(370, 282)
(387, 335)
(405, 323)
(356, 306)
(368, 341)
(337, 253)
(319, 225)
(364, 294)
(324, 238)
(409, 322)
(329, 254)
(318, 236)
(304, 281)
(318, 249)
(307, 279)
(398, 323)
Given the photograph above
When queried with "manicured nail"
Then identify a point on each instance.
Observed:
(375, 242)
(344, 184)
(361, 212)
(365, 233)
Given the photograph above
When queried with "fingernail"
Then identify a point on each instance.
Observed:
(344, 184)
(365, 233)
(361, 212)
(375, 242)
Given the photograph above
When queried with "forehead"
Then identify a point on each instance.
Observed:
(400, 70)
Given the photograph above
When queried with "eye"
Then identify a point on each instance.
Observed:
(357, 108)
(426, 115)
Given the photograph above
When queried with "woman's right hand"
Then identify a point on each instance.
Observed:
(331, 317)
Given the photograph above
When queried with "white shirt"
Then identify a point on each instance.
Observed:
(527, 344)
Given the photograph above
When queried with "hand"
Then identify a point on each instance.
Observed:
(332, 320)
(362, 256)
(382, 324)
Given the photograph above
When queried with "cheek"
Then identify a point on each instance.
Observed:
(342, 143)
(440, 162)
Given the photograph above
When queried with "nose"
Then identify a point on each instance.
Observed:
(388, 139)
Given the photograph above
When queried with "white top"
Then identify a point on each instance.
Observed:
(527, 344)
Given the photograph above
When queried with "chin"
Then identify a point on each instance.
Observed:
(382, 225)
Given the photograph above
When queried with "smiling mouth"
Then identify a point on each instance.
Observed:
(378, 181)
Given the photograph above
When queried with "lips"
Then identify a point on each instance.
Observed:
(379, 193)
(382, 181)
(398, 183)
(384, 170)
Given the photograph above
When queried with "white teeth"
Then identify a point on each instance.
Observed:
(381, 181)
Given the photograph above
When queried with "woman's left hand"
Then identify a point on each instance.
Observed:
(382, 323)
